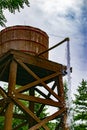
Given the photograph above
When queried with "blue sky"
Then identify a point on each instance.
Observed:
(60, 19)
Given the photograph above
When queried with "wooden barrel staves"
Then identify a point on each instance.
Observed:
(24, 38)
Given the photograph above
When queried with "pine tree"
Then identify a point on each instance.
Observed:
(80, 110)
(11, 5)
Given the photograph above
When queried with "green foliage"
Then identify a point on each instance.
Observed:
(43, 114)
(17, 121)
(80, 110)
(2, 18)
(51, 125)
(80, 127)
(1, 123)
(11, 5)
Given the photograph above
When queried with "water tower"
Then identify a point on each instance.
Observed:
(27, 73)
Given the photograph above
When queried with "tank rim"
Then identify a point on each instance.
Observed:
(24, 27)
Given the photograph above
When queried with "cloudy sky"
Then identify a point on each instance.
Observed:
(60, 19)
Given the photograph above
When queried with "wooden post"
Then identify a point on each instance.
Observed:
(31, 107)
(61, 94)
(11, 87)
(32, 73)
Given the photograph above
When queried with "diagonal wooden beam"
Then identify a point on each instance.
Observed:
(35, 83)
(51, 91)
(38, 100)
(39, 79)
(47, 96)
(4, 68)
(3, 108)
(3, 93)
(27, 110)
(53, 116)
(40, 92)
(4, 101)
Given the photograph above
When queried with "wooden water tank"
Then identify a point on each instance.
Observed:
(24, 38)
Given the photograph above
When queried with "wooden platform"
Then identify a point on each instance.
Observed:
(29, 72)
(39, 66)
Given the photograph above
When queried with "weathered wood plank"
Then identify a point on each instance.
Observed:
(38, 100)
(35, 60)
(40, 80)
(35, 83)
(3, 93)
(11, 87)
(53, 116)
(4, 68)
(27, 110)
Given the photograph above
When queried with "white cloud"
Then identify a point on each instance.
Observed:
(60, 18)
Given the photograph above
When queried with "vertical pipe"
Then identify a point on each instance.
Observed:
(11, 87)
(68, 71)
(69, 85)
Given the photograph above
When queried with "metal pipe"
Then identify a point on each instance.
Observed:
(66, 39)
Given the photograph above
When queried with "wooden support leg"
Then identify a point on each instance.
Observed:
(8, 117)
(11, 88)
(31, 107)
(60, 89)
